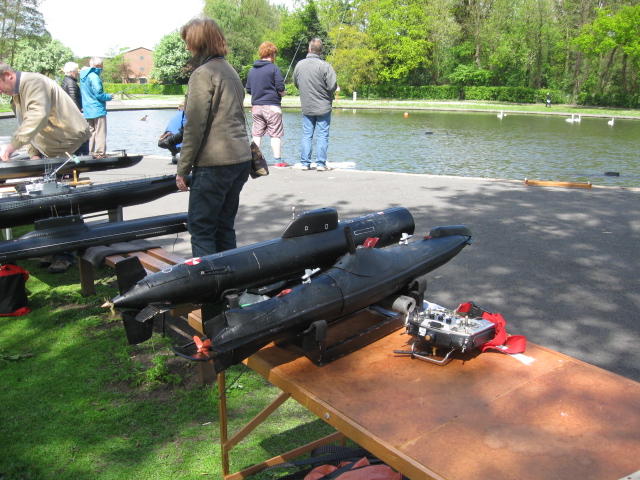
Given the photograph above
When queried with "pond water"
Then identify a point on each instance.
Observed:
(538, 147)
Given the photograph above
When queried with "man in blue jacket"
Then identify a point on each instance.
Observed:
(266, 87)
(94, 105)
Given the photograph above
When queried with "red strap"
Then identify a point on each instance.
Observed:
(501, 342)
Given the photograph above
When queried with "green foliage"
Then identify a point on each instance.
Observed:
(244, 24)
(47, 59)
(21, 24)
(397, 30)
(145, 88)
(470, 75)
(170, 58)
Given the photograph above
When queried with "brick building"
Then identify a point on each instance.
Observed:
(140, 60)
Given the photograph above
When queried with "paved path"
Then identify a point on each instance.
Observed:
(560, 264)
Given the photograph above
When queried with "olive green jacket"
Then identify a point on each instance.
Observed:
(215, 131)
(50, 122)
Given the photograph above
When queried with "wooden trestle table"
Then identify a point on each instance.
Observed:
(482, 416)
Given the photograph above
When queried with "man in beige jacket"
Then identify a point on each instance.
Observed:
(50, 124)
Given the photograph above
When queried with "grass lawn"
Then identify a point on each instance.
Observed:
(78, 402)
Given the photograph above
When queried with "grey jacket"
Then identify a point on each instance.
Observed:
(214, 133)
(316, 80)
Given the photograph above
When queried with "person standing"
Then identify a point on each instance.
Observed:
(548, 100)
(316, 80)
(94, 103)
(215, 148)
(70, 83)
(50, 125)
(266, 87)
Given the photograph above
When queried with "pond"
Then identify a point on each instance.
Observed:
(470, 144)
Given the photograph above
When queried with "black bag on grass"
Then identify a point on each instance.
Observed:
(13, 294)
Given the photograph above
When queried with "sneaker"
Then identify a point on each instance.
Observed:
(306, 167)
(281, 164)
(174, 160)
(59, 265)
(45, 261)
(323, 168)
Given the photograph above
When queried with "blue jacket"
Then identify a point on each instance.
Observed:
(264, 81)
(94, 100)
(176, 123)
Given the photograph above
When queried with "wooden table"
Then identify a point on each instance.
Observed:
(482, 416)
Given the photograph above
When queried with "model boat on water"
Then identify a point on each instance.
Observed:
(21, 166)
(24, 208)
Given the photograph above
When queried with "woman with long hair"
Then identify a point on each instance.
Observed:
(215, 147)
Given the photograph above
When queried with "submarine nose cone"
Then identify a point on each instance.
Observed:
(132, 298)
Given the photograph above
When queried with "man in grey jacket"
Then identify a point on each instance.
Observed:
(316, 80)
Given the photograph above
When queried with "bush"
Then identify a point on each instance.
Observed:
(145, 88)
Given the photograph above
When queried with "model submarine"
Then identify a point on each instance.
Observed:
(25, 208)
(359, 279)
(22, 166)
(66, 234)
(314, 239)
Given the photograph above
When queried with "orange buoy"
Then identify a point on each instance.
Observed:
(406, 114)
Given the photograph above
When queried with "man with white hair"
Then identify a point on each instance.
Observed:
(70, 83)
(94, 105)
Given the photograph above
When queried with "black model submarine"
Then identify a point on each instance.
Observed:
(65, 234)
(27, 208)
(359, 279)
(21, 166)
(314, 239)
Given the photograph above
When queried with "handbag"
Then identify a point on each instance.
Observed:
(259, 166)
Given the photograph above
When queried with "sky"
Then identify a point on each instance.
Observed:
(92, 28)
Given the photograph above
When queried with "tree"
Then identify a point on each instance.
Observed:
(399, 34)
(355, 60)
(244, 24)
(46, 59)
(20, 22)
(170, 59)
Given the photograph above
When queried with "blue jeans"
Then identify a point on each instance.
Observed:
(83, 150)
(309, 124)
(214, 199)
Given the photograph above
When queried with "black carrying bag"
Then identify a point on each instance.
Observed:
(13, 292)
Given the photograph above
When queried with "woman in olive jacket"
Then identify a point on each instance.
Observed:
(215, 145)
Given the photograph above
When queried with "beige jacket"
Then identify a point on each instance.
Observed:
(215, 132)
(50, 122)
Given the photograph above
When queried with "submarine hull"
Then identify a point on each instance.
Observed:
(355, 282)
(25, 167)
(71, 233)
(25, 209)
(313, 240)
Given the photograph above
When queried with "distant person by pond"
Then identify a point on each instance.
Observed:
(548, 100)
(70, 83)
(266, 87)
(94, 103)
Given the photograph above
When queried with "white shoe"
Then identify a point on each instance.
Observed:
(323, 168)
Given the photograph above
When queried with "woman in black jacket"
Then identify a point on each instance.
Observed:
(70, 83)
